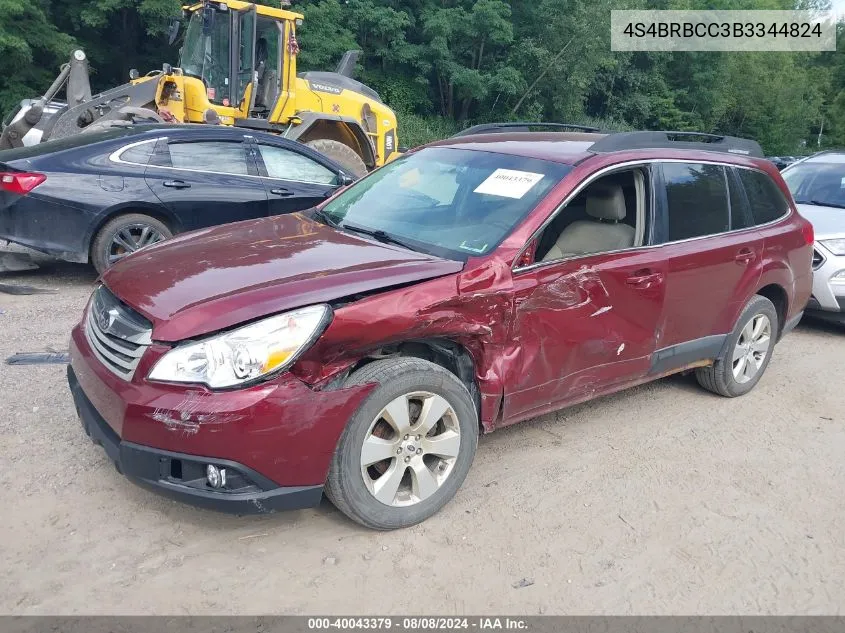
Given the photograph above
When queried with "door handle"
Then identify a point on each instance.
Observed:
(281, 191)
(644, 280)
(177, 184)
(745, 255)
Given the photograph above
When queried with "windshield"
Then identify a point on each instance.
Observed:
(816, 182)
(452, 203)
(206, 55)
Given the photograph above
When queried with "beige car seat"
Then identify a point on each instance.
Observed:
(607, 232)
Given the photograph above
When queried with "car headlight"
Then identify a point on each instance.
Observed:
(837, 246)
(244, 354)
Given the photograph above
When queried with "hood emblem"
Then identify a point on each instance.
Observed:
(105, 317)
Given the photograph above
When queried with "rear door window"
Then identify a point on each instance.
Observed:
(696, 200)
(767, 201)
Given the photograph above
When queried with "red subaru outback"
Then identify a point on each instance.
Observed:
(359, 348)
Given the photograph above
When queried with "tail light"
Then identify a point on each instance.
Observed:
(20, 182)
(807, 232)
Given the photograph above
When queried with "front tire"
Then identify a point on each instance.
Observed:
(746, 353)
(408, 447)
(123, 235)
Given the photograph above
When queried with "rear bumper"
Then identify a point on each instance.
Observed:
(182, 477)
(45, 226)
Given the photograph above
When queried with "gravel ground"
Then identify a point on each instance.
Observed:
(660, 500)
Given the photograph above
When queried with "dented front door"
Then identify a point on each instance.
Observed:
(581, 327)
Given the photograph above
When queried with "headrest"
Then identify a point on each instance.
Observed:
(606, 202)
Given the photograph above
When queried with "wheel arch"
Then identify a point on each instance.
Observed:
(776, 293)
(445, 352)
(345, 130)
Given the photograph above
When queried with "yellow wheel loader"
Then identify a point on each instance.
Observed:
(237, 67)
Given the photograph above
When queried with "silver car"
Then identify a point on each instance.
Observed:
(818, 185)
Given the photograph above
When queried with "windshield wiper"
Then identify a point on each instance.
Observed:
(322, 216)
(380, 235)
(822, 203)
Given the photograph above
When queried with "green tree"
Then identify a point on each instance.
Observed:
(31, 49)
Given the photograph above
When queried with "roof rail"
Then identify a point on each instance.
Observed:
(619, 141)
(522, 126)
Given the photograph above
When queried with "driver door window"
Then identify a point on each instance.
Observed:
(285, 164)
(607, 215)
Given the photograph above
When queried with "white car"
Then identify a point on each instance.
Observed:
(818, 185)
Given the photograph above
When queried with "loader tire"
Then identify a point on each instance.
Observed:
(342, 154)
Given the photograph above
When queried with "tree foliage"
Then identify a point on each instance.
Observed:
(444, 64)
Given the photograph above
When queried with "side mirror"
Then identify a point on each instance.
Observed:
(134, 74)
(173, 30)
(345, 179)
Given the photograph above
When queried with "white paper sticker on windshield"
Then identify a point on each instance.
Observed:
(509, 183)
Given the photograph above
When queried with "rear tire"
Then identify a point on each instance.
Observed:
(341, 154)
(383, 480)
(746, 353)
(123, 235)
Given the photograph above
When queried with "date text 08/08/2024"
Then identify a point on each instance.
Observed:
(419, 623)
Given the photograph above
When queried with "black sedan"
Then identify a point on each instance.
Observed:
(99, 196)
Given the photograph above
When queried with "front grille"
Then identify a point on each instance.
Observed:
(818, 259)
(118, 335)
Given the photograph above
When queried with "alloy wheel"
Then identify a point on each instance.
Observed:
(410, 449)
(131, 238)
(751, 349)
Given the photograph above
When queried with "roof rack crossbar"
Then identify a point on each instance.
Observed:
(522, 126)
(619, 141)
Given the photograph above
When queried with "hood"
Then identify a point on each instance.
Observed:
(827, 221)
(215, 278)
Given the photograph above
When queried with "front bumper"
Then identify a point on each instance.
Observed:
(276, 439)
(182, 477)
(828, 299)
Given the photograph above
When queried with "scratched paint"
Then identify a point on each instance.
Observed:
(197, 408)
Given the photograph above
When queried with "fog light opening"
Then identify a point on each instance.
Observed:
(216, 477)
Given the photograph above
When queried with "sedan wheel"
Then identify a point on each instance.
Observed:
(409, 446)
(124, 235)
(132, 238)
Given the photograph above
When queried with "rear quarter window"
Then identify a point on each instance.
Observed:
(138, 153)
(766, 200)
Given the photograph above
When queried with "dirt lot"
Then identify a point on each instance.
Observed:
(663, 499)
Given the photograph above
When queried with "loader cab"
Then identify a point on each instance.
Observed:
(236, 50)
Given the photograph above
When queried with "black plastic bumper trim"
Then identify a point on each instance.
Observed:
(142, 465)
(683, 354)
(791, 324)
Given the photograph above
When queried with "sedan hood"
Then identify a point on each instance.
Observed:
(826, 221)
(215, 278)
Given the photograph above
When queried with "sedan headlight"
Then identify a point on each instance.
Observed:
(837, 246)
(245, 354)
